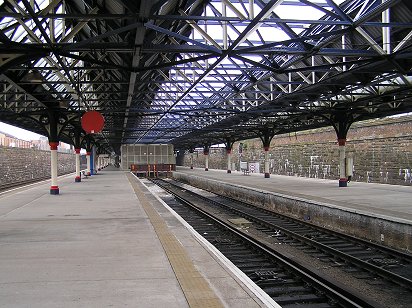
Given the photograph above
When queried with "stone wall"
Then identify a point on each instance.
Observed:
(19, 165)
(382, 152)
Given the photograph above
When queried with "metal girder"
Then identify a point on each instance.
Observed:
(204, 70)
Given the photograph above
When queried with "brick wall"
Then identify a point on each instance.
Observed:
(18, 165)
(382, 151)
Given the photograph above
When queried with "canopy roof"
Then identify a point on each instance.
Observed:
(195, 72)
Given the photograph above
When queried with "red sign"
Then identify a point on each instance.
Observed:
(92, 122)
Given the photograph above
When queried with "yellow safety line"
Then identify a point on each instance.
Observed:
(195, 287)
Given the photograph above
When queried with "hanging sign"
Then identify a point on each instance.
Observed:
(92, 122)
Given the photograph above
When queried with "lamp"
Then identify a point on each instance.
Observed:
(33, 76)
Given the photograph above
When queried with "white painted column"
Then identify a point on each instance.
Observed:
(349, 166)
(229, 160)
(343, 181)
(206, 153)
(88, 162)
(78, 177)
(267, 174)
(96, 163)
(54, 188)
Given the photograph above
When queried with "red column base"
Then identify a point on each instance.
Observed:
(343, 182)
(206, 169)
(267, 175)
(54, 190)
(229, 171)
(77, 179)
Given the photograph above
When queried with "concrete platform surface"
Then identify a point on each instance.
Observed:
(95, 246)
(392, 202)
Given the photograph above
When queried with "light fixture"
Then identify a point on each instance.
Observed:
(33, 76)
(44, 119)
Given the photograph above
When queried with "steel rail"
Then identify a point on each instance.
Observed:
(398, 279)
(336, 292)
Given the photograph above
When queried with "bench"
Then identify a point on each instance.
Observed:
(244, 167)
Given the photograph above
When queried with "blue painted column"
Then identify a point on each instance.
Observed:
(92, 154)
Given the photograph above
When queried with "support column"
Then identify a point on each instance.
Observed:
(206, 153)
(341, 122)
(266, 135)
(229, 160)
(191, 158)
(267, 174)
(54, 188)
(92, 169)
(98, 162)
(77, 147)
(88, 162)
(229, 145)
(78, 177)
(343, 181)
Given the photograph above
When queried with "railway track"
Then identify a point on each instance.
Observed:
(379, 260)
(18, 184)
(8, 186)
(285, 281)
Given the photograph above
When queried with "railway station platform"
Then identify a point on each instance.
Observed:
(109, 242)
(379, 212)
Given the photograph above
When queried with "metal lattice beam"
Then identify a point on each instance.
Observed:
(195, 71)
